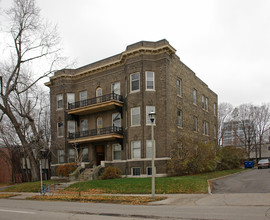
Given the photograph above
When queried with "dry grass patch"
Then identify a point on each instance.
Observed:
(6, 195)
(132, 200)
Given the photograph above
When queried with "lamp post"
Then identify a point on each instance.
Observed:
(152, 115)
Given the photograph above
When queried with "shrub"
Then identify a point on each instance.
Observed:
(111, 173)
(188, 159)
(65, 169)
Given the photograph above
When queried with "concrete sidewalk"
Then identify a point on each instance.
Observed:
(243, 199)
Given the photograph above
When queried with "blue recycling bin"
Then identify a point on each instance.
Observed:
(249, 164)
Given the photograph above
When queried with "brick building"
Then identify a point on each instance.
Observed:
(102, 109)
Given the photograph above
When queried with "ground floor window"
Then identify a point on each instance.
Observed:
(71, 155)
(85, 155)
(136, 149)
(149, 171)
(136, 171)
(61, 156)
(116, 152)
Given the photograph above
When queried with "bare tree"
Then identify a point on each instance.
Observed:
(224, 115)
(262, 123)
(34, 43)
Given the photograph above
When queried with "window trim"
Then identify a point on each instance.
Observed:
(113, 158)
(59, 130)
(179, 87)
(137, 90)
(146, 80)
(194, 96)
(146, 156)
(57, 101)
(132, 173)
(63, 155)
(181, 114)
(131, 111)
(132, 150)
(195, 124)
(70, 93)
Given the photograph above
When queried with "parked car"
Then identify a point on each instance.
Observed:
(265, 163)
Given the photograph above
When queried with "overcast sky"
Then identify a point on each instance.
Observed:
(225, 42)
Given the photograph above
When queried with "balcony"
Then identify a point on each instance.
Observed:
(96, 104)
(95, 135)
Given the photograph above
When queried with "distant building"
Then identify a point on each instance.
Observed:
(103, 109)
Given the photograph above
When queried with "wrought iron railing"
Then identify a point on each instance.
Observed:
(95, 132)
(95, 100)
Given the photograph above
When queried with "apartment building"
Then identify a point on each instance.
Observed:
(103, 109)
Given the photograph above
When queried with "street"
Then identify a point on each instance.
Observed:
(251, 181)
(190, 207)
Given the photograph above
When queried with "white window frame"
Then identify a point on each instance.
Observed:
(58, 129)
(146, 81)
(179, 87)
(113, 117)
(131, 81)
(132, 171)
(148, 153)
(116, 150)
(179, 118)
(59, 101)
(203, 101)
(85, 123)
(69, 125)
(138, 148)
(206, 104)
(148, 109)
(99, 92)
(113, 88)
(61, 154)
(194, 96)
(69, 157)
(195, 123)
(70, 98)
(132, 119)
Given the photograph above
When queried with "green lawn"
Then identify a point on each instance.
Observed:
(28, 187)
(185, 184)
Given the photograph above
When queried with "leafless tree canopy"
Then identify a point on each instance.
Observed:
(32, 55)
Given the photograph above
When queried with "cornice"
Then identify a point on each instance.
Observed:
(118, 62)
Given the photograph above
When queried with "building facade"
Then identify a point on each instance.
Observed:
(103, 109)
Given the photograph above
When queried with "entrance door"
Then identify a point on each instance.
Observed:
(100, 154)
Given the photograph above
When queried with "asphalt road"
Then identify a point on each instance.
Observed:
(32, 210)
(251, 181)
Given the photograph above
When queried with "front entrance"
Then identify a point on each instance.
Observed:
(100, 154)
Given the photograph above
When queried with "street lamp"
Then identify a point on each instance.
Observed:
(152, 115)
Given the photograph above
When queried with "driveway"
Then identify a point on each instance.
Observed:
(251, 181)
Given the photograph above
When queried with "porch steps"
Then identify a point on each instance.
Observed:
(90, 174)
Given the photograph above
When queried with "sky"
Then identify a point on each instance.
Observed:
(225, 42)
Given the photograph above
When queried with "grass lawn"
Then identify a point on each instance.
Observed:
(28, 187)
(185, 184)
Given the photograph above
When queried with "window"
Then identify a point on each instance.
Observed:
(85, 155)
(195, 123)
(135, 116)
(215, 131)
(136, 171)
(150, 80)
(99, 122)
(205, 128)
(179, 118)
(206, 104)
(135, 82)
(203, 102)
(149, 171)
(136, 149)
(116, 88)
(71, 126)
(60, 129)
(71, 155)
(83, 98)
(269, 148)
(116, 152)
(61, 156)
(179, 87)
(116, 119)
(98, 92)
(194, 96)
(59, 101)
(215, 109)
(84, 125)
(70, 99)
(148, 110)
(149, 148)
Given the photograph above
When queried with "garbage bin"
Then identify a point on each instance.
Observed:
(249, 164)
